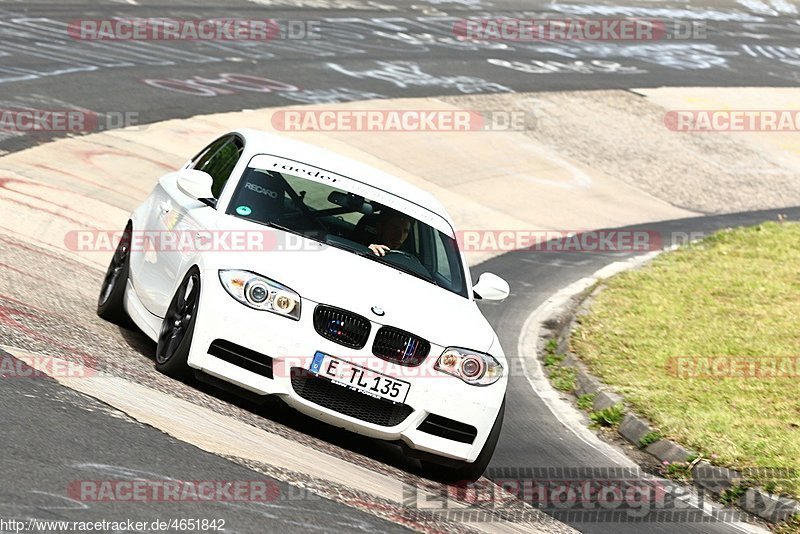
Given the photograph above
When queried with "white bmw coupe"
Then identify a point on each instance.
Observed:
(272, 267)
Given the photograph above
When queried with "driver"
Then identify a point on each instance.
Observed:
(391, 228)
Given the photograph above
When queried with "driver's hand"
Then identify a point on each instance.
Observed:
(379, 250)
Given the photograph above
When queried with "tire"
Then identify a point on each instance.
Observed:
(177, 330)
(111, 301)
(463, 471)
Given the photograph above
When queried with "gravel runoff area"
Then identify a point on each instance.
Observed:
(623, 134)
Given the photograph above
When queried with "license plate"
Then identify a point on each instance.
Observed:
(359, 378)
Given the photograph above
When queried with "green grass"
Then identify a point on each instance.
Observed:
(737, 293)
(562, 377)
(586, 401)
(608, 417)
(678, 470)
(649, 438)
(792, 526)
(552, 360)
(733, 494)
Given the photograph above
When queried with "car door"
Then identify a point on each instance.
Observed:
(175, 223)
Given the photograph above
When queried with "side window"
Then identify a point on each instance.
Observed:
(443, 266)
(218, 160)
(207, 152)
(441, 257)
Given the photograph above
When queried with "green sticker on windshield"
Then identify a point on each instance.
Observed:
(244, 210)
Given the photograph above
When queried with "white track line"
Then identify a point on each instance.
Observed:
(564, 412)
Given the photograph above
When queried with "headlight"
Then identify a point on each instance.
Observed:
(261, 293)
(472, 367)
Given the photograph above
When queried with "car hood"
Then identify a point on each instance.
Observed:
(336, 277)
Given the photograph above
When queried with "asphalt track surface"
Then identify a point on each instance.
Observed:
(390, 49)
(41, 68)
(54, 436)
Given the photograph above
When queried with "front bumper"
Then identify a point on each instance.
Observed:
(292, 344)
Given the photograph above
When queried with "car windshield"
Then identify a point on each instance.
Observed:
(350, 221)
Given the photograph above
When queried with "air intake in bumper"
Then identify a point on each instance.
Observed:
(239, 356)
(448, 429)
(346, 401)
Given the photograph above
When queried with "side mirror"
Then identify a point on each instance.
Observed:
(491, 287)
(194, 183)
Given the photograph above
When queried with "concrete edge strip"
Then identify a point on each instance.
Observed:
(210, 431)
(633, 428)
(528, 349)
